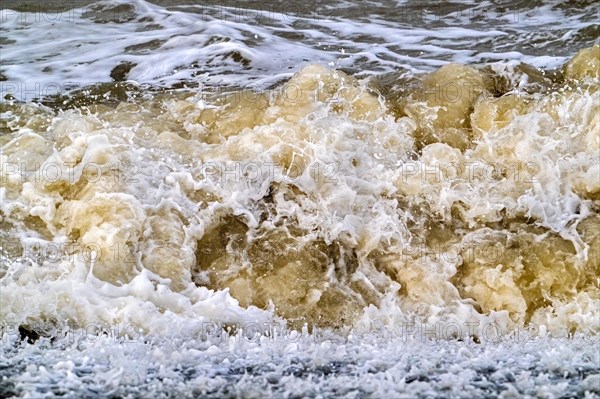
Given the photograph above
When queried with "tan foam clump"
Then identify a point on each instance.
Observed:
(587, 184)
(520, 272)
(585, 65)
(525, 135)
(109, 225)
(304, 278)
(316, 84)
(309, 88)
(496, 113)
(443, 106)
(22, 159)
(589, 228)
(231, 114)
(164, 252)
(287, 129)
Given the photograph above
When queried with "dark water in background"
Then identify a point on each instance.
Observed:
(261, 43)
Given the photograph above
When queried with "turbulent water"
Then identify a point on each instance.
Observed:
(178, 170)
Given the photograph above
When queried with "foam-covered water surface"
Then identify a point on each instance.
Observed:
(185, 173)
(93, 366)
